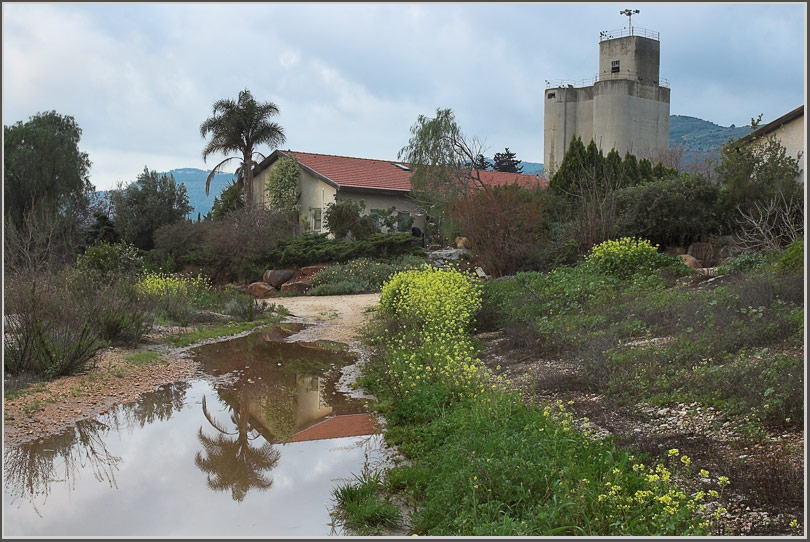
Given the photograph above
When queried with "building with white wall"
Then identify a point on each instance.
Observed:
(625, 107)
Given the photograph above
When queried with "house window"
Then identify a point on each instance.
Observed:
(614, 66)
(316, 219)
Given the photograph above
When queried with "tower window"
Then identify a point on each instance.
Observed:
(614, 66)
(551, 95)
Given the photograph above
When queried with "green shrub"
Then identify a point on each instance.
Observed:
(792, 258)
(310, 249)
(106, 261)
(625, 257)
(174, 295)
(744, 263)
(44, 334)
(368, 273)
(243, 307)
(434, 299)
(343, 287)
(344, 217)
(670, 212)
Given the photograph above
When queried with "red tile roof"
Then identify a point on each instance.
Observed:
(348, 172)
(347, 425)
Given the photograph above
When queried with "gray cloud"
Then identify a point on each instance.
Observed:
(352, 78)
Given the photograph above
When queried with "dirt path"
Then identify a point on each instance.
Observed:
(113, 378)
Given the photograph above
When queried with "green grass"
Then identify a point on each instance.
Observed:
(222, 330)
(481, 462)
(734, 346)
(362, 507)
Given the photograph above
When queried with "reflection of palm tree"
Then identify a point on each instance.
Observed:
(233, 463)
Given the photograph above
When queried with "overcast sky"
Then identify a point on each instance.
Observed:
(351, 79)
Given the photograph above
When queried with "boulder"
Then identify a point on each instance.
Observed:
(691, 261)
(260, 290)
(703, 252)
(462, 242)
(277, 277)
(449, 254)
(297, 286)
(312, 269)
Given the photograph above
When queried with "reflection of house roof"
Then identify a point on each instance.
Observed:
(348, 425)
(773, 125)
(369, 174)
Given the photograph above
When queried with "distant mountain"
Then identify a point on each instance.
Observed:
(194, 179)
(701, 138)
(532, 168)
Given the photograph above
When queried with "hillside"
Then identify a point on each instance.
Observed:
(701, 139)
(194, 179)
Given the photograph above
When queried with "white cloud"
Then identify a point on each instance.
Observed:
(352, 78)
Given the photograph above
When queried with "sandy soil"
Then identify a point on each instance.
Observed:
(111, 378)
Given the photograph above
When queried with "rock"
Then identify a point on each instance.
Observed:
(260, 290)
(449, 254)
(312, 269)
(462, 242)
(297, 286)
(704, 253)
(480, 272)
(691, 261)
(277, 277)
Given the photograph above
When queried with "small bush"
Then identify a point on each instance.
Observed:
(626, 257)
(172, 294)
(434, 299)
(243, 307)
(344, 287)
(107, 261)
(45, 335)
(792, 259)
(368, 273)
(310, 249)
(744, 263)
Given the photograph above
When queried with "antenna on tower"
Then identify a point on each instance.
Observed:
(629, 13)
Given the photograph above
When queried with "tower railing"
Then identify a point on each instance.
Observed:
(563, 83)
(632, 31)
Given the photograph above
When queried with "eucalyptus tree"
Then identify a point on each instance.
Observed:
(238, 127)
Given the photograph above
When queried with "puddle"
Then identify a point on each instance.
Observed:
(254, 449)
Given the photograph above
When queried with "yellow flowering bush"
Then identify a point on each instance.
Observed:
(434, 299)
(625, 257)
(166, 284)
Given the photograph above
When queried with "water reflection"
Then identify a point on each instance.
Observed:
(233, 463)
(275, 391)
(31, 469)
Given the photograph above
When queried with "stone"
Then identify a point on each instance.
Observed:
(462, 242)
(260, 290)
(704, 253)
(480, 272)
(691, 261)
(449, 254)
(297, 286)
(312, 269)
(277, 277)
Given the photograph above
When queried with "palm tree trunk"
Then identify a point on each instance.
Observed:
(247, 177)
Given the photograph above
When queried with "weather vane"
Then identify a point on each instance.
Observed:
(629, 13)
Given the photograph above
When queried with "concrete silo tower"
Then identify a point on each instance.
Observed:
(626, 105)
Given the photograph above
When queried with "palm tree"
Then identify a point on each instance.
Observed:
(239, 127)
(232, 463)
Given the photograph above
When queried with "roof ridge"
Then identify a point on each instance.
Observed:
(352, 157)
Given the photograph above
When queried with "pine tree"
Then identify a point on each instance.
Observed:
(506, 161)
